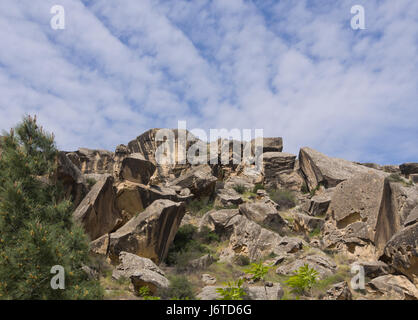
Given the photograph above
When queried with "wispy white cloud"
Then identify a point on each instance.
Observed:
(295, 69)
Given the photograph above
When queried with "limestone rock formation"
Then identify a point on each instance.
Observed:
(92, 161)
(74, 183)
(264, 214)
(321, 169)
(199, 180)
(339, 291)
(409, 168)
(393, 287)
(136, 168)
(97, 212)
(150, 233)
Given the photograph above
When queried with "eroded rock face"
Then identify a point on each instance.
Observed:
(149, 234)
(92, 161)
(199, 180)
(322, 264)
(136, 168)
(141, 271)
(133, 198)
(279, 171)
(321, 169)
(318, 205)
(97, 212)
(401, 252)
(228, 197)
(393, 287)
(269, 144)
(339, 291)
(263, 213)
(75, 185)
(273, 292)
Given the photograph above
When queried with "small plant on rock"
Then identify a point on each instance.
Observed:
(240, 188)
(303, 279)
(259, 272)
(233, 290)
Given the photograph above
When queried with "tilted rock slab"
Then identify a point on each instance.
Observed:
(321, 169)
(97, 212)
(136, 168)
(149, 234)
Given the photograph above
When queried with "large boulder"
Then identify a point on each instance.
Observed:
(141, 272)
(321, 169)
(318, 204)
(74, 183)
(97, 212)
(401, 252)
(269, 144)
(198, 179)
(339, 291)
(264, 213)
(321, 263)
(245, 236)
(228, 197)
(273, 292)
(92, 161)
(147, 144)
(393, 287)
(279, 171)
(150, 233)
(136, 168)
(133, 198)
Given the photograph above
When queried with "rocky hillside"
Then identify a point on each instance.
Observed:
(150, 225)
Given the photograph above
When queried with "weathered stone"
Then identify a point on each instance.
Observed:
(393, 287)
(318, 205)
(228, 197)
(97, 212)
(269, 144)
(322, 264)
(133, 198)
(374, 269)
(100, 246)
(307, 224)
(149, 234)
(74, 183)
(412, 217)
(273, 292)
(401, 252)
(409, 168)
(289, 245)
(208, 279)
(201, 263)
(321, 169)
(149, 142)
(136, 168)
(131, 263)
(93, 161)
(339, 291)
(153, 280)
(198, 179)
(264, 214)
(209, 293)
(141, 271)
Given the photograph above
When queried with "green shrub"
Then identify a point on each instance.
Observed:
(180, 288)
(37, 230)
(198, 207)
(395, 177)
(233, 290)
(207, 236)
(241, 260)
(91, 182)
(240, 188)
(257, 187)
(187, 245)
(283, 197)
(258, 270)
(304, 188)
(303, 279)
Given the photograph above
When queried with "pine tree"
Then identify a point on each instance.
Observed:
(36, 227)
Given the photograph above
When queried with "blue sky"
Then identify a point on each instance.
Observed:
(295, 69)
